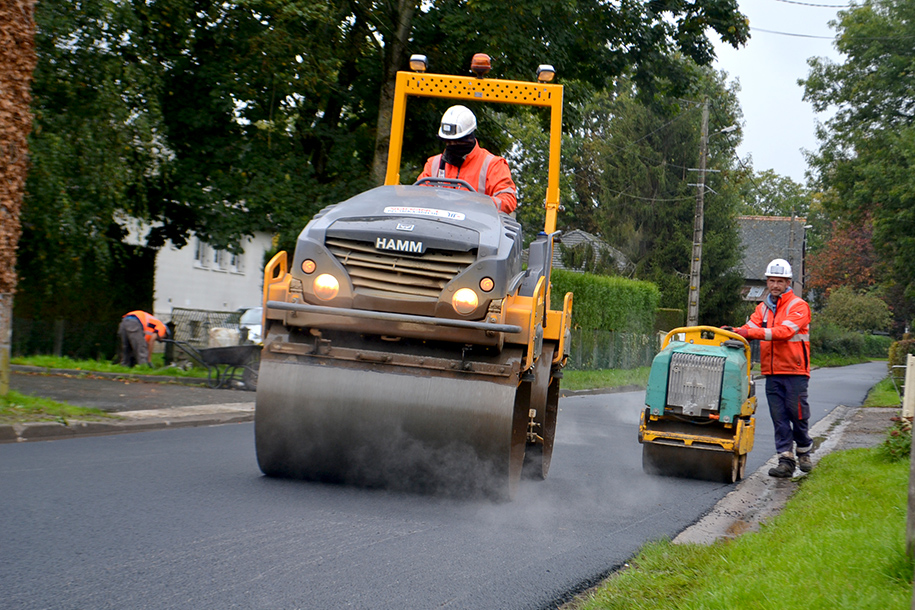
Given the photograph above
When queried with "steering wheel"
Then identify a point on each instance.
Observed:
(450, 183)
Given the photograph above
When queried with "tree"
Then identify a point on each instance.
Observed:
(630, 182)
(769, 194)
(222, 118)
(846, 260)
(17, 61)
(866, 159)
(857, 311)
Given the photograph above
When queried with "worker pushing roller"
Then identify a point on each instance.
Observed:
(404, 344)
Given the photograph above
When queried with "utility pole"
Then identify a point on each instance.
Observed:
(692, 310)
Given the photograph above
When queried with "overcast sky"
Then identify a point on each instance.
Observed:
(778, 123)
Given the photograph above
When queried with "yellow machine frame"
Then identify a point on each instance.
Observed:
(421, 84)
(517, 309)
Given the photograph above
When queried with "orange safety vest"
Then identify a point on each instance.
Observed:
(152, 327)
(486, 173)
(785, 336)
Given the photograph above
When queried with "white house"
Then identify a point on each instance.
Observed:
(199, 276)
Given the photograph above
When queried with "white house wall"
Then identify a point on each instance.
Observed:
(198, 277)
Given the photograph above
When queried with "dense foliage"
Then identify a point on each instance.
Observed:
(856, 310)
(865, 161)
(607, 303)
(827, 338)
(629, 171)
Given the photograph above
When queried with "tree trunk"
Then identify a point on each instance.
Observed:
(17, 62)
(395, 57)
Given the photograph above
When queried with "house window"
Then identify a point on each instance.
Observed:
(201, 253)
(756, 292)
(237, 263)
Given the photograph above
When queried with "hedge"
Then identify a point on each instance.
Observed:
(608, 303)
(898, 352)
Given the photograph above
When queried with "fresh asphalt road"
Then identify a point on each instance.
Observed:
(182, 518)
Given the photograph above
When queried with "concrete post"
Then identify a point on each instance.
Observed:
(907, 403)
(908, 396)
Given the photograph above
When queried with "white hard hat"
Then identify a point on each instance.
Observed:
(457, 122)
(779, 267)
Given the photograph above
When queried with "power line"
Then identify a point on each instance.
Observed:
(816, 5)
(752, 29)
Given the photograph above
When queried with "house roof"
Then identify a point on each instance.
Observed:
(768, 237)
(575, 237)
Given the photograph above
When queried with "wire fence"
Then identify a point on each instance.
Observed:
(601, 349)
(590, 349)
(193, 326)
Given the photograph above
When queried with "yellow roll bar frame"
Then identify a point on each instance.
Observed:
(421, 84)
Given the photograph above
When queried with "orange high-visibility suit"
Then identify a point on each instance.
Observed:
(138, 330)
(484, 171)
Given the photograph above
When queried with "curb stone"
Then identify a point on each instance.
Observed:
(130, 421)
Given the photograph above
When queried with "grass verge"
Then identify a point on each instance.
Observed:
(838, 544)
(16, 408)
(604, 378)
(883, 394)
(101, 366)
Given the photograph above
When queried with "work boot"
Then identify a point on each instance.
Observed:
(785, 468)
(804, 462)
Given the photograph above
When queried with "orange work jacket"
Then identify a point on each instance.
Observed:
(485, 172)
(784, 335)
(152, 327)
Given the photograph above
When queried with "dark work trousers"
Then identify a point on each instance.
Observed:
(133, 342)
(787, 396)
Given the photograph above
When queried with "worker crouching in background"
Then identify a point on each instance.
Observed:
(782, 325)
(137, 332)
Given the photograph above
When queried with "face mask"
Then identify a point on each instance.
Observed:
(456, 153)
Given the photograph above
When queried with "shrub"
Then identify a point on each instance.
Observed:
(898, 443)
(857, 311)
(829, 338)
(877, 346)
(897, 357)
(607, 302)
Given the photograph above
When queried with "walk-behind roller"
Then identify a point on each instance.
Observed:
(405, 346)
(699, 406)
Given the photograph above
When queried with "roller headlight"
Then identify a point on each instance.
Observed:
(326, 286)
(465, 301)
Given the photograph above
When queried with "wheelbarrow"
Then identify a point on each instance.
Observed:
(226, 365)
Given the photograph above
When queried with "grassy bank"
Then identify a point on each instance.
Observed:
(838, 544)
(18, 408)
(605, 378)
(101, 366)
(883, 394)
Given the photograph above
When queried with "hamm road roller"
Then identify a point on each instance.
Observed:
(405, 346)
(699, 406)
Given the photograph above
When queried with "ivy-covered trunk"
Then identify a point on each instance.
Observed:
(17, 62)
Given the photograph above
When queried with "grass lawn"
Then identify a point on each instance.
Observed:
(883, 395)
(18, 408)
(839, 544)
(102, 366)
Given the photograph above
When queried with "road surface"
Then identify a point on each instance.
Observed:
(183, 519)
